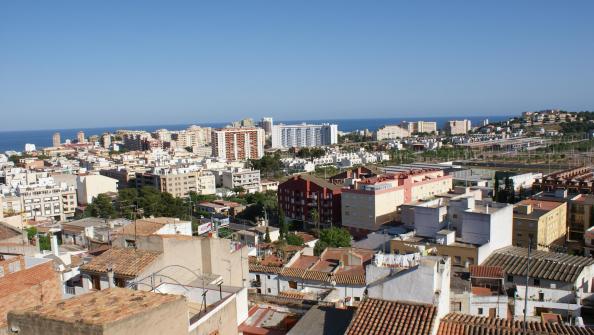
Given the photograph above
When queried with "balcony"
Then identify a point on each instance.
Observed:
(255, 283)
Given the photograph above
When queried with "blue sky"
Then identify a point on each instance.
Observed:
(96, 63)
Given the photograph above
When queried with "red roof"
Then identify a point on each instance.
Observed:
(482, 271)
(390, 317)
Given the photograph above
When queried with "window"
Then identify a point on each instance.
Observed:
(357, 298)
(480, 311)
(510, 278)
(269, 290)
(267, 277)
(540, 296)
(130, 244)
(119, 282)
(455, 306)
(14, 267)
(95, 282)
(457, 259)
(293, 284)
(536, 282)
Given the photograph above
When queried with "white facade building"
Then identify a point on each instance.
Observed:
(304, 135)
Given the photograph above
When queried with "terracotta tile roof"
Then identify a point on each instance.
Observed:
(376, 317)
(482, 271)
(543, 264)
(305, 236)
(264, 269)
(15, 282)
(463, 324)
(337, 253)
(481, 291)
(304, 262)
(100, 307)
(127, 262)
(292, 273)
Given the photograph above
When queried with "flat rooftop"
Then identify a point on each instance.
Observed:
(100, 307)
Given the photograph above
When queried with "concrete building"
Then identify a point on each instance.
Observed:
(415, 127)
(56, 142)
(487, 292)
(558, 283)
(458, 127)
(154, 248)
(543, 222)
(247, 179)
(267, 123)
(47, 201)
(106, 140)
(462, 226)
(304, 135)
(578, 180)
(238, 143)
(337, 275)
(300, 195)
(178, 182)
(374, 201)
(90, 186)
(412, 278)
(80, 137)
(389, 132)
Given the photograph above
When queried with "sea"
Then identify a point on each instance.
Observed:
(16, 140)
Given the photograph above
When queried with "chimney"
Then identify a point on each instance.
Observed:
(54, 245)
(110, 277)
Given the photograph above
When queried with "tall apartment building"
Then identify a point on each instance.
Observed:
(56, 141)
(267, 124)
(458, 127)
(420, 126)
(106, 140)
(304, 135)
(391, 132)
(178, 183)
(194, 136)
(80, 137)
(238, 143)
(374, 201)
(140, 141)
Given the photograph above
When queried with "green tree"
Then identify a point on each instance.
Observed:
(267, 236)
(44, 242)
(294, 239)
(282, 221)
(333, 237)
(104, 207)
(315, 218)
(31, 233)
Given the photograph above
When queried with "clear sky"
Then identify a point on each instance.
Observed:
(108, 63)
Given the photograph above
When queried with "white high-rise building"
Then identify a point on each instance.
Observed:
(304, 135)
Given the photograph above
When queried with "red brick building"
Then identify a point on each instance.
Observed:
(24, 287)
(301, 194)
